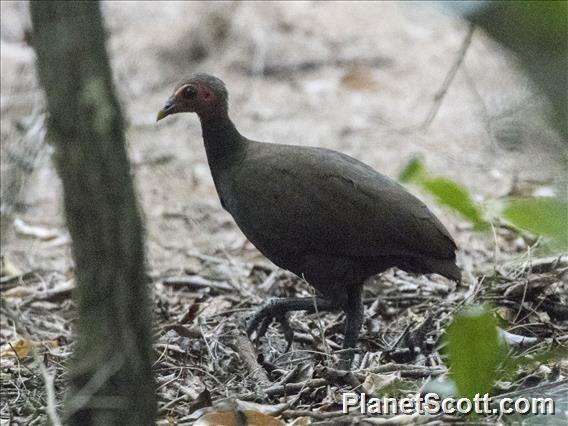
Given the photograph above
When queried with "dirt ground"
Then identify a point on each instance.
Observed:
(356, 77)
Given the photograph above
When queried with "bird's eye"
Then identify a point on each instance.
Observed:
(189, 92)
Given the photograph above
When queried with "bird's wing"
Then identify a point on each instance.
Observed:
(320, 200)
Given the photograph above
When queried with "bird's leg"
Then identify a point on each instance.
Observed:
(276, 309)
(353, 320)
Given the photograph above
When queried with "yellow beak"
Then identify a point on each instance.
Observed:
(161, 114)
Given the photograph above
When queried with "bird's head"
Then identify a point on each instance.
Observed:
(201, 93)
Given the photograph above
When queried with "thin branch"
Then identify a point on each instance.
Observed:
(441, 93)
(248, 355)
(321, 329)
(84, 395)
(51, 409)
(293, 388)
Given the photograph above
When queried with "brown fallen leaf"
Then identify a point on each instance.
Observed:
(247, 411)
(21, 348)
(238, 418)
(359, 79)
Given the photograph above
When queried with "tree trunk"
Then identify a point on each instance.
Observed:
(111, 380)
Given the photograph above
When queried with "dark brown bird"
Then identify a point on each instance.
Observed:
(316, 212)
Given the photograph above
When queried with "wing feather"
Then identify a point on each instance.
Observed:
(319, 200)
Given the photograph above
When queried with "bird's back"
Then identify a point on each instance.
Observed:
(292, 201)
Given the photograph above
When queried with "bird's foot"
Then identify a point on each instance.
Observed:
(259, 323)
(277, 309)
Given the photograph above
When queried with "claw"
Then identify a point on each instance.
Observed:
(252, 325)
(259, 323)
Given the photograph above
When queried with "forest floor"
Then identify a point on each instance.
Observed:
(357, 77)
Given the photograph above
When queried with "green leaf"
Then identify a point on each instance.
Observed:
(446, 192)
(455, 196)
(413, 171)
(541, 216)
(475, 351)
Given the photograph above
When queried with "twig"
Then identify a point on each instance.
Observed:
(318, 415)
(247, 353)
(82, 397)
(320, 326)
(290, 375)
(197, 282)
(407, 370)
(270, 280)
(9, 279)
(423, 372)
(441, 93)
(402, 335)
(310, 340)
(208, 346)
(164, 408)
(59, 292)
(292, 388)
(341, 377)
(526, 284)
(48, 379)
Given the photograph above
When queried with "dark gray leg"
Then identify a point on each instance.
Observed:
(353, 320)
(276, 309)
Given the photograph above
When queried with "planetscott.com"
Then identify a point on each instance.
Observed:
(432, 403)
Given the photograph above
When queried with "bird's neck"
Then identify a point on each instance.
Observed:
(224, 144)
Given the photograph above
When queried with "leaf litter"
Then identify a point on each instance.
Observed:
(207, 279)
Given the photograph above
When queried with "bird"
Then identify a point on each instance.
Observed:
(324, 216)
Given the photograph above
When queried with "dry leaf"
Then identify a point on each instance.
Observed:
(359, 79)
(268, 409)
(19, 292)
(21, 348)
(9, 269)
(506, 313)
(237, 418)
(301, 421)
(375, 382)
(39, 232)
(215, 306)
(17, 349)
